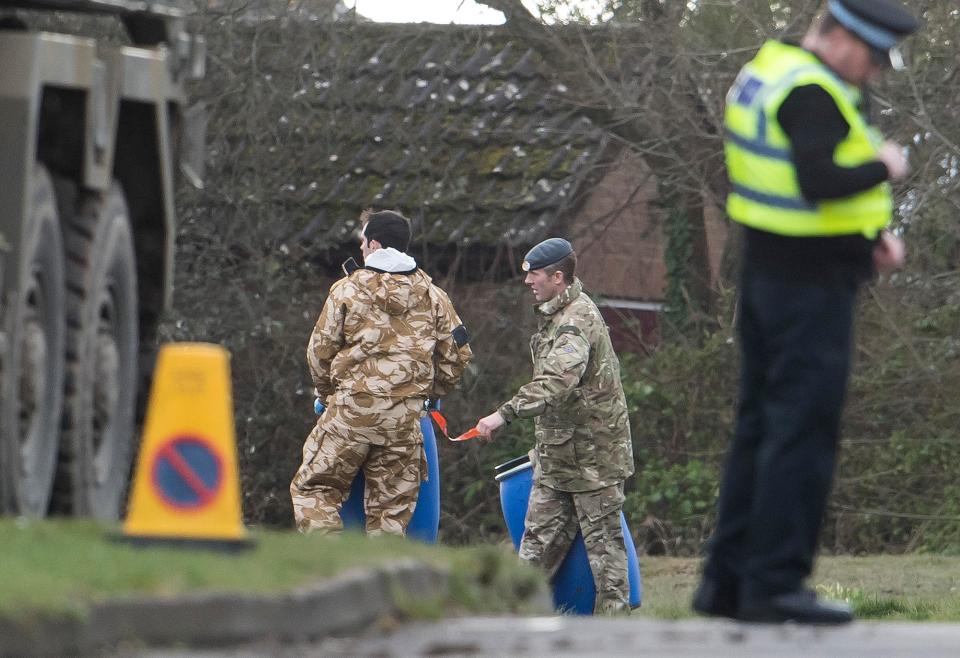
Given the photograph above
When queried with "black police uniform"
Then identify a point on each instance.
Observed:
(796, 316)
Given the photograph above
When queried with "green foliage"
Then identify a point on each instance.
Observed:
(678, 259)
(896, 487)
(676, 492)
(900, 461)
(680, 401)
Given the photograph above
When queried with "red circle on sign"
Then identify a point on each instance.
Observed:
(187, 472)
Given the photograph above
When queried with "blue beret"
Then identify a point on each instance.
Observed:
(546, 253)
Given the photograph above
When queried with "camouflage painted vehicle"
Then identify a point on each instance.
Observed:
(93, 133)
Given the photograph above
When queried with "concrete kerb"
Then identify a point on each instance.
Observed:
(344, 604)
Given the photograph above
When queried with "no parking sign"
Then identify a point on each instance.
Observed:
(187, 473)
(187, 485)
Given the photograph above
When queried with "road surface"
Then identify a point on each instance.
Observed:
(585, 636)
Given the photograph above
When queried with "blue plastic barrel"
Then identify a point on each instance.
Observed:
(425, 523)
(573, 588)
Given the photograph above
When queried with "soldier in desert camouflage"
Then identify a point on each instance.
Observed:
(583, 451)
(386, 340)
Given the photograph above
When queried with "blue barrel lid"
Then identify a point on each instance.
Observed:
(522, 466)
(507, 465)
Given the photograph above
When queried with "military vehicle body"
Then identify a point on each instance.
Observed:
(93, 133)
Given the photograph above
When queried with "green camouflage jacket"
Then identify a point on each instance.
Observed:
(387, 334)
(582, 428)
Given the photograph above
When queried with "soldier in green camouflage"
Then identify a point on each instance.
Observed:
(386, 340)
(583, 451)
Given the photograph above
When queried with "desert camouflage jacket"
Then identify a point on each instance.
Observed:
(387, 334)
(582, 429)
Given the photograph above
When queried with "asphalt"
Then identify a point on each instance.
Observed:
(555, 637)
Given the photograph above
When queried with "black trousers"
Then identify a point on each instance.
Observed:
(796, 339)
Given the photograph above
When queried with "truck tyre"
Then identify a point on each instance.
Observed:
(32, 371)
(102, 351)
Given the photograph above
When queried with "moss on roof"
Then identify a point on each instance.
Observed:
(458, 126)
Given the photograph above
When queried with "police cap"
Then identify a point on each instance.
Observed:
(546, 253)
(879, 23)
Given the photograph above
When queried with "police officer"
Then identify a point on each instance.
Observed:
(583, 450)
(808, 177)
(386, 340)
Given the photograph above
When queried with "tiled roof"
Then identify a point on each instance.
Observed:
(303, 10)
(458, 126)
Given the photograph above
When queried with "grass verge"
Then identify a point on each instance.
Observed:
(61, 567)
(887, 587)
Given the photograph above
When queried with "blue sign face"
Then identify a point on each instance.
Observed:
(187, 473)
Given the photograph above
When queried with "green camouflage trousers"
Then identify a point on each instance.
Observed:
(553, 518)
(378, 435)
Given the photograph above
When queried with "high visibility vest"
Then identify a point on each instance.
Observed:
(765, 193)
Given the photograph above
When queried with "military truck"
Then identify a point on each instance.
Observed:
(94, 131)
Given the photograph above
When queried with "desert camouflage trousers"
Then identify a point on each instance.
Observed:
(553, 518)
(379, 436)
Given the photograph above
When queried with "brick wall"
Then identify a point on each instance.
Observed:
(619, 244)
(619, 240)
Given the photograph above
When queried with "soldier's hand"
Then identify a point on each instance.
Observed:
(488, 424)
(892, 155)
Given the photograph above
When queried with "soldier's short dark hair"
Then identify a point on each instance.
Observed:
(388, 227)
(567, 265)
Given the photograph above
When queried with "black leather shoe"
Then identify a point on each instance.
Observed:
(714, 601)
(801, 606)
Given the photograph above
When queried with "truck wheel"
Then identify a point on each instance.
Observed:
(102, 347)
(33, 369)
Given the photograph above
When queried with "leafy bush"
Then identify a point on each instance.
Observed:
(897, 486)
(681, 403)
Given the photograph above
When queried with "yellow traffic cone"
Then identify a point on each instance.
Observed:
(186, 488)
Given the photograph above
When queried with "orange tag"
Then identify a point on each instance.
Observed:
(469, 434)
(439, 420)
(442, 425)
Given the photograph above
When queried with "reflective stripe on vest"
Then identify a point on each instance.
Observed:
(765, 193)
